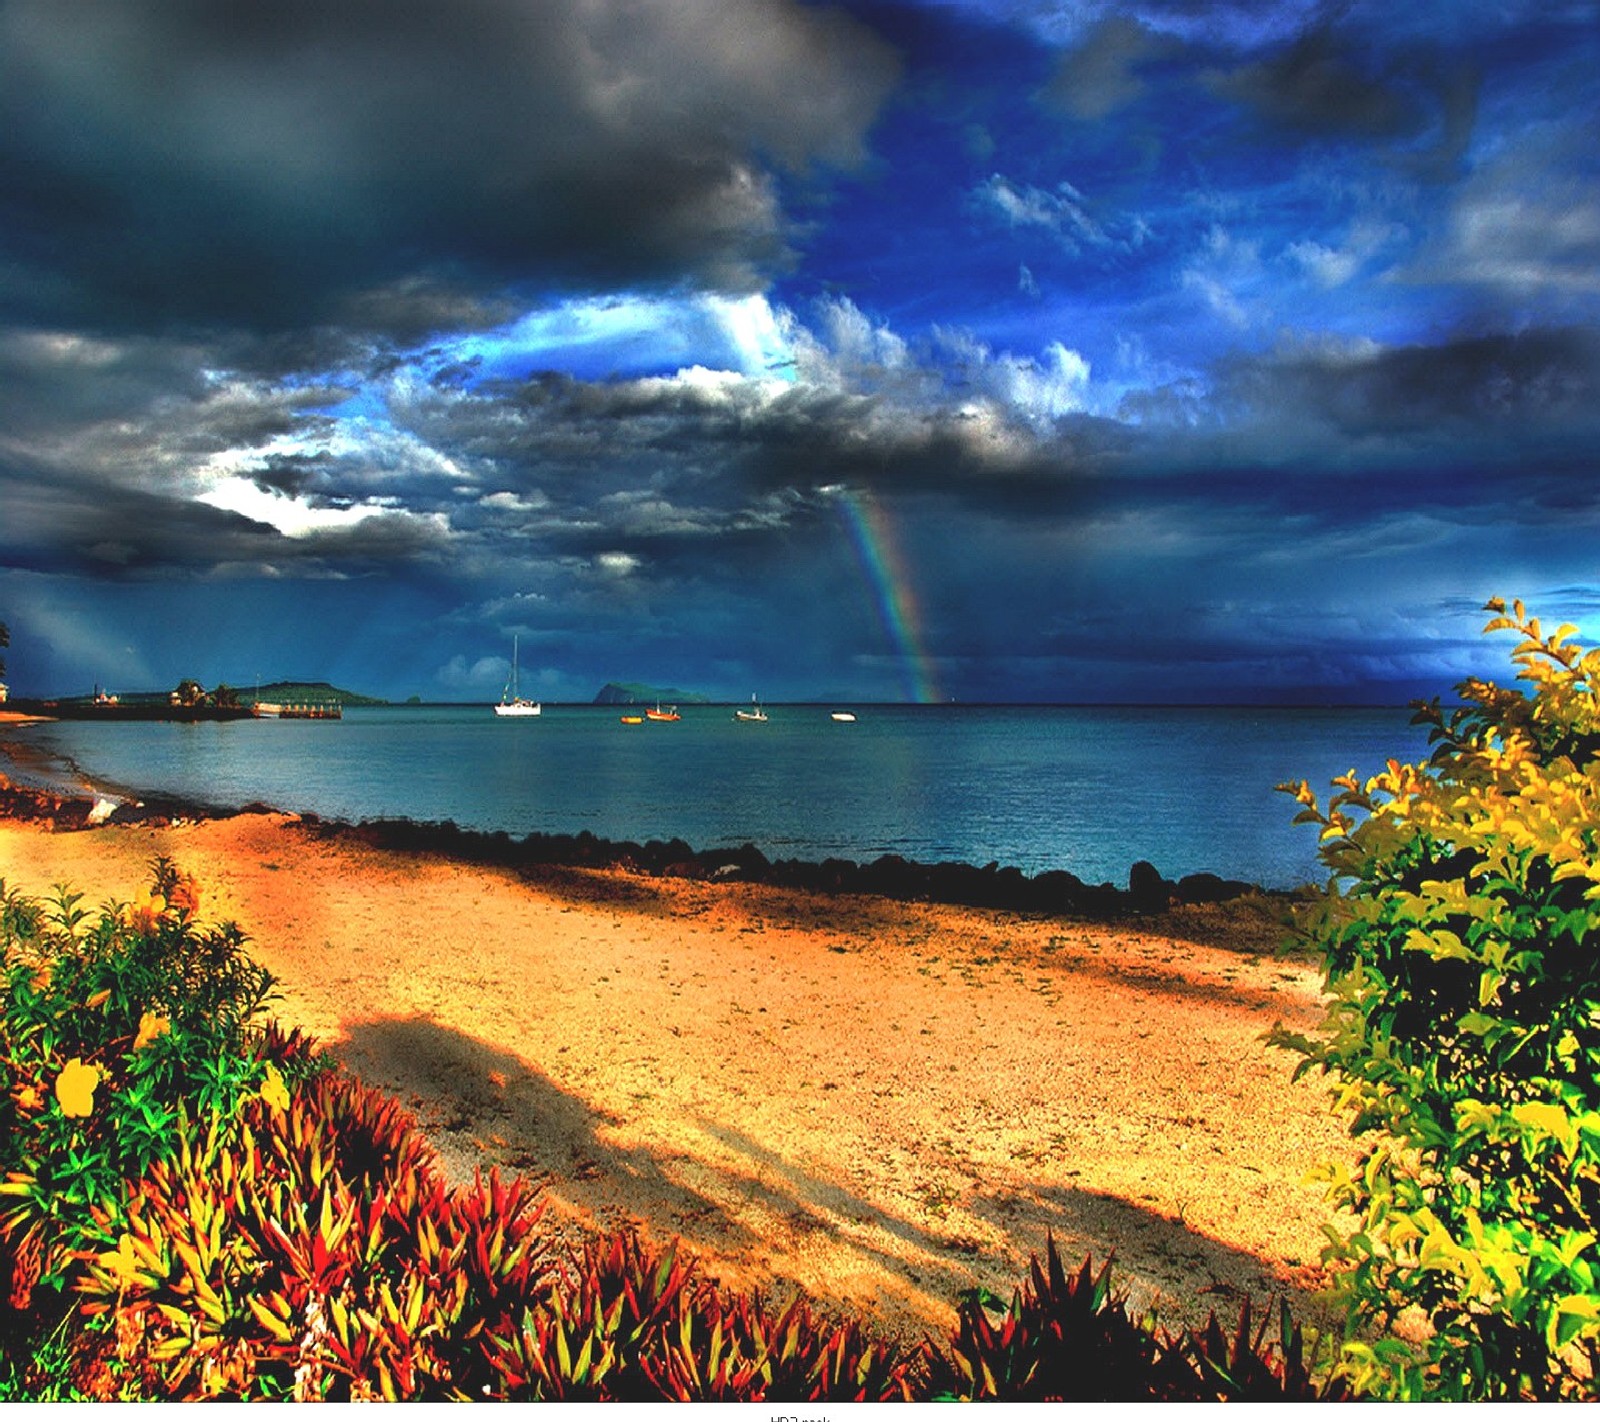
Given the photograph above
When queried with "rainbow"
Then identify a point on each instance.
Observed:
(873, 540)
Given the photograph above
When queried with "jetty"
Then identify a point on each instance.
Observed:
(298, 711)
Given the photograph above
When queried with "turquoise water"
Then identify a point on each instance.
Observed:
(1089, 790)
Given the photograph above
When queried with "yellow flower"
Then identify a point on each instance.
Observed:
(75, 1087)
(100, 998)
(28, 1097)
(145, 910)
(151, 1026)
(273, 1090)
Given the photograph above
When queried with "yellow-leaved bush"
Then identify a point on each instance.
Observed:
(1459, 931)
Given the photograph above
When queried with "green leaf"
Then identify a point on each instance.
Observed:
(1543, 1118)
(1575, 1316)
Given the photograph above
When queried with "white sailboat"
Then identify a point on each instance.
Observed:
(755, 713)
(511, 703)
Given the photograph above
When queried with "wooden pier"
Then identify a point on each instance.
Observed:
(299, 711)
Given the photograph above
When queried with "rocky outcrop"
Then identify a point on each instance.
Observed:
(889, 876)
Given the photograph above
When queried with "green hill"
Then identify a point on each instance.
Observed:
(301, 692)
(636, 693)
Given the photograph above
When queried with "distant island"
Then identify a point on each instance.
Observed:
(636, 693)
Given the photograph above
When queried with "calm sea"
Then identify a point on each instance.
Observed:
(1088, 790)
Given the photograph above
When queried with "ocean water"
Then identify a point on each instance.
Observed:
(1089, 790)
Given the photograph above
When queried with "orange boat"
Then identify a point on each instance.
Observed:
(633, 720)
(670, 714)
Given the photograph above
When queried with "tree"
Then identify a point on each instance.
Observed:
(1461, 940)
(189, 692)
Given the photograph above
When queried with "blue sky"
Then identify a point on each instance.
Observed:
(998, 351)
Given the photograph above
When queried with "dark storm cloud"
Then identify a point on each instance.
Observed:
(389, 160)
(1320, 85)
(134, 411)
(1356, 446)
(1309, 439)
(78, 525)
(1541, 385)
(108, 447)
(730, 445)
(119, 533)
(1101, 74)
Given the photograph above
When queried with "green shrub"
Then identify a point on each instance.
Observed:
(1208, 1364)
(628, 1323)
(1461, 936)
(1068, 1337)
(314, 1251)
(1064, 1337)
(111, 1026)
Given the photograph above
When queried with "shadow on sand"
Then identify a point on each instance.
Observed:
(756, 1218)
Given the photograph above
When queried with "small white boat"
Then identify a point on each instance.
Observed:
(755, 713)
(512, 704)
(842, 715)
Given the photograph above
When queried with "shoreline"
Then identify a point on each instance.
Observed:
(36, 785)
(873, 1101)
(1143, 888)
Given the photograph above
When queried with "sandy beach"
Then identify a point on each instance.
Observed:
(878, 1103)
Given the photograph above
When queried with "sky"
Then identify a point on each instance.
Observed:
(976, 350)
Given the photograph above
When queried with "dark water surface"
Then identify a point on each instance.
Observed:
(1086, 789)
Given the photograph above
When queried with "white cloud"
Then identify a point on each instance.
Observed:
(1526, 243)
(647, 514)
(1325, 266)
(461, 675)
(1044, 389)
(1063, 212)
(629, 334)
(1334, 266)
(855, 342)
(753, 331)
(1227, 275)
(1039, 390)
(504, 501)
(292, 516)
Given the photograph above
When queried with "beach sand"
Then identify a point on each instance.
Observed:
(877, 1103)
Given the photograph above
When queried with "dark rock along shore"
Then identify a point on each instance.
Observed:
(890, 876)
